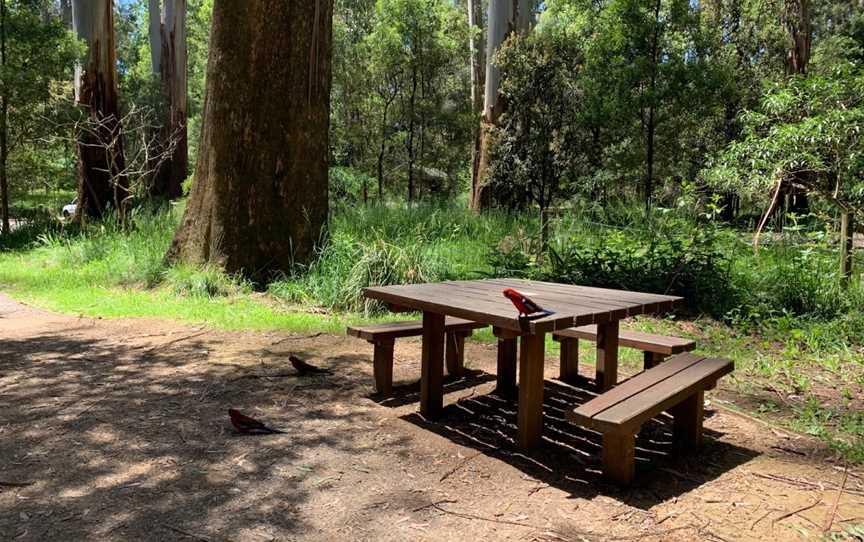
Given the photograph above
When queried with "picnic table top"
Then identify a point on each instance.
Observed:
(483, 301)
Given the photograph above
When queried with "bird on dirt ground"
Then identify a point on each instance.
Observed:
(248, 425)
(307, 368)
(527, 308)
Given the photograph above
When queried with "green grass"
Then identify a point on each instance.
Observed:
(795, 339)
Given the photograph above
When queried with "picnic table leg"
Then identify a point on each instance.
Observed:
(607, 355)
(530, 418)
(506, 376)
(432, 365)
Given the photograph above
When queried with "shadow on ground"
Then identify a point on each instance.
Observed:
(114, 440)
(569, 457)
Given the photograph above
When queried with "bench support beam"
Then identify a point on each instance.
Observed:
(506, 377)
(687, 427)
(653, 359)
(569, 366)
(619, 457)
(432, 366)
(455, 353)
(382, 361)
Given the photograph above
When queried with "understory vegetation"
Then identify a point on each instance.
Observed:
(780, 314)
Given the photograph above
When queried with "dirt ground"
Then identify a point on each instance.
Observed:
(117, 430)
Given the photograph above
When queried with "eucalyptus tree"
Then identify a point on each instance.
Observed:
(505, 17)
(168, 53)
(259, 196)
(102, 182)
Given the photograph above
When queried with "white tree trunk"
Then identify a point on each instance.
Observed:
(476, 49)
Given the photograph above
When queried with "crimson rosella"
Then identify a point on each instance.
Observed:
(249, 426)
(526, 307)
(304, 368)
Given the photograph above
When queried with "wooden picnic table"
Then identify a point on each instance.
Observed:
(482, 301)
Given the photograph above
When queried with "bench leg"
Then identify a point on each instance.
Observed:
(619, 457)
(653, 359)
(506, 386)
(530, 417)
(687, 427)
(569, 366)
(455, 353)
(432, 366)
(382, 362)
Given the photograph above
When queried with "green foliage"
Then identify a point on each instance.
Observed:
(807, 130)
(37, 84)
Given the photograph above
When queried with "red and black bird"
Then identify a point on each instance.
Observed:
(527, 308)
(248, 425)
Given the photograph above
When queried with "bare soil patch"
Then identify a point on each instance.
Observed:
(117, 430)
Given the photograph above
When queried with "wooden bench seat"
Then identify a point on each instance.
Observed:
(676, 386)
(656, 348)
(383, 336)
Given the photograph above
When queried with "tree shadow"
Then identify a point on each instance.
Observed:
(100, 439)
(569, 456)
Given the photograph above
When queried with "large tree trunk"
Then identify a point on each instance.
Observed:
(259, 200)
(478, 79)
(102, 181)
(505, 17)
(168, 55)
(4, 125)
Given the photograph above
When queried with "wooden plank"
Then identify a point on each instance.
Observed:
(432, 365)
(635, 385)
(436, 300)
(600, 293)
(486, 293)
(607, 355)
(661, 344)
(663, 395)
(567, 294)
(409, 328)
(506, 377)
(530, 416)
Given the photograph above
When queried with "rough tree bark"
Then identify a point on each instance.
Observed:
(478, 80)
(259, 200)
(4, 126)
(102, 183)
(168, 56)
(505, 17)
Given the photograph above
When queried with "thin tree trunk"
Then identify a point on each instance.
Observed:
(847, 232)
(4, 126)
(102, 181)
(478, 79)
(505, 17)
(259, 201)
(651, 126)
(410, 142)
(798, 24)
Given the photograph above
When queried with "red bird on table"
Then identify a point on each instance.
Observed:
(248, 425)
(525, 305)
